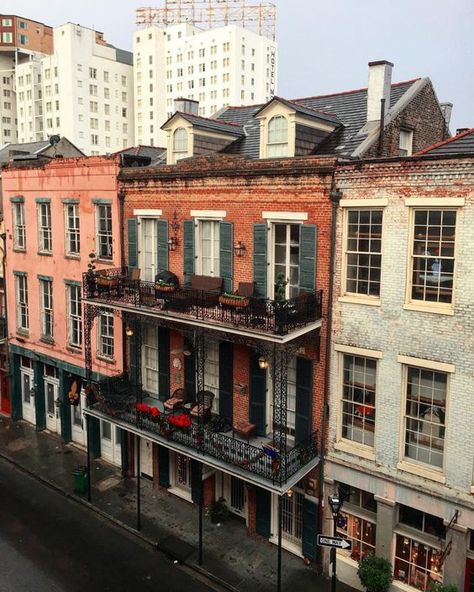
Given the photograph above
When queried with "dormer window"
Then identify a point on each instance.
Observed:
(277, 144)
(405, 145)
(180, 144)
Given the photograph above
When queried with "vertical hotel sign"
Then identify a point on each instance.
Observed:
(272, 71)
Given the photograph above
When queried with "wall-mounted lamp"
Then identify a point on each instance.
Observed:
(128, 331)
(262, 363)
(239, 249)
(33, 391)
(173, 240)
(289, 493)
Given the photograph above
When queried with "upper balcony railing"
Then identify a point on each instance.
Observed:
(278, 317)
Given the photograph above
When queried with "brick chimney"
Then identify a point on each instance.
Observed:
(446, 110)
(186, 106)
(380, 79)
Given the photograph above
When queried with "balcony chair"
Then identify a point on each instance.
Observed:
(176, 400)
(131, 281)
(203, 406)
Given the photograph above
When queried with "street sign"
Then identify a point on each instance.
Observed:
(334, 542)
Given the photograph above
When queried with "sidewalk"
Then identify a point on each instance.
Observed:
(230, 555)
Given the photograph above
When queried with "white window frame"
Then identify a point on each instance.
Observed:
(22, 310)
(19, 227)
(406, 461)
(105, 336)
(143, 222)
(152, 348)
(215, 236)
(180, 144)
(45, 238)
(362, 295)
(74, 315)
(272, 247)
(46, 308)
(405, 142)
(73, 232)
(277, 137)
(104, 236)
(211, 372)
(430, 305)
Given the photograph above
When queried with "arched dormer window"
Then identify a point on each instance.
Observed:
(277, 144)
(180, 144)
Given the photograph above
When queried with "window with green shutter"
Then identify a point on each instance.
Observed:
(132, 243)
(226, 259)
(260, 258)
(188, 250)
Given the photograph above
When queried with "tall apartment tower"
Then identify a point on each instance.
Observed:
(228, 65)
(83, 90)
(21, 39)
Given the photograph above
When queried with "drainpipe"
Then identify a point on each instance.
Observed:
(335, 197)
(382, 125)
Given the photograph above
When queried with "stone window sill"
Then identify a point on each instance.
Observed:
(352, 448)
(48, 340)
(354, 299)
(105, 359)
(425, 307)
(421, 471)
(45, 253)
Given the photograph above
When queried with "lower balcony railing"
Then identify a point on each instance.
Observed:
(262, 460)
(260, 314)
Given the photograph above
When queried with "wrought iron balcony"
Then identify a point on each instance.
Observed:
(200, 440)
(115, 287)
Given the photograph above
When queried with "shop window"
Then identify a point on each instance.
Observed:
(357, 521)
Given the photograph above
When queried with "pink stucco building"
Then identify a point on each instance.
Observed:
(56, 214)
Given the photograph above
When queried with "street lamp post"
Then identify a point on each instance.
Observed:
(335, 503)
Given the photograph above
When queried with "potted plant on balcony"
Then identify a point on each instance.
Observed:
(234, 300)
(162, 286)
(218, 511)
(280, 287)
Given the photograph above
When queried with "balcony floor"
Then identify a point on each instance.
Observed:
(275, 486)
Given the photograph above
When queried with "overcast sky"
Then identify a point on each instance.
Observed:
(324, 45)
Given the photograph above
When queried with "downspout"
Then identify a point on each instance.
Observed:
(381, 128)
(335, 197)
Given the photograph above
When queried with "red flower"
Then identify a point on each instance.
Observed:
(154, 412)
(179, 421)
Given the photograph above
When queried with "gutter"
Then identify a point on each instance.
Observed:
(335, 196)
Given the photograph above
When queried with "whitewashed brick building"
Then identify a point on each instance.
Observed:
(401, 428)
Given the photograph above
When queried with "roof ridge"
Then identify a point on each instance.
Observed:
(356, 90)
(447, 141)
(213, 120)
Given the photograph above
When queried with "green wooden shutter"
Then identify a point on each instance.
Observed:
(40, 408)
(65, 407)
(162, 246)
(310, 529)
(163, 466)
(304, 398)
(190, 378)
(263, 502)
(94, 436)
(196, 481)
(308, 237)
(132, 242)
(226, 379)
(163, 363)
(226, 255)
(132, 361)
(260, 263)
(258, 395)
(188, 250)
(15, 388)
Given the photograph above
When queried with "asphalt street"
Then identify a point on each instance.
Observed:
(50, 543)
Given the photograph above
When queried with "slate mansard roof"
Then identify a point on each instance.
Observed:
(348, 109)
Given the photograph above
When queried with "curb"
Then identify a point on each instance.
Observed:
(152, 543)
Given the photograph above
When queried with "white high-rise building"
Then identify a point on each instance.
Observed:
(217, 67)
(83, 90)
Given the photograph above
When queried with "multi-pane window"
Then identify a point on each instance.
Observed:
(358, 521)
(72, 229)
(150, 359)
(74, 315)
(22, 317)
(46, 308)
(405, 143)
(358, 399)
(286, 260)
(180, 144)
(425, 415)
(277, 142)
(433, 255)
(44, 227)
(209, 247)
(106, 335)
(211, 372)
(104, 231)
(19, 228)
(364, 252)
(148, 248)
(289, 427)
(418, 563)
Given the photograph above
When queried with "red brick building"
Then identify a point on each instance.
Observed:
(225, 297)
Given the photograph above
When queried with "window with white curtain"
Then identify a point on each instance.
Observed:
(277, 142)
